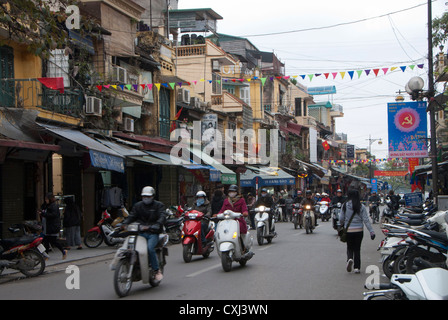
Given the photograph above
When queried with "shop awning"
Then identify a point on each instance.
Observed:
(151, 160)
(227, 175)
(314, 167)
(101, 156)
(267, 176)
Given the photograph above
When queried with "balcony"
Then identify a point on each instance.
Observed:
(191, 50)
(30, 93)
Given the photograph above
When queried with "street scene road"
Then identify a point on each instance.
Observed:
(295, 266)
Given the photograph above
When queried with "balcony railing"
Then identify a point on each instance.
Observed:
(192, 50)
(30, 93)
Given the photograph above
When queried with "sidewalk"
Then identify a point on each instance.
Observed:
(55, 263)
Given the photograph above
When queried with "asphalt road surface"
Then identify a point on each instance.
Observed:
(296, 266)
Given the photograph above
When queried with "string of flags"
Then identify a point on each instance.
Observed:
(359, 161)
(327, 75)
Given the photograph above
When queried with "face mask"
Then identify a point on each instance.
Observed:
(232, 194)
(200, 202)
(147, 200)
(264, 195)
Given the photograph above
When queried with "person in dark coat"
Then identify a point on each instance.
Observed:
(52, 217)
(217, 201)
(72, 223)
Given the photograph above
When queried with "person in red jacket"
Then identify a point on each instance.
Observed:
(236, 203)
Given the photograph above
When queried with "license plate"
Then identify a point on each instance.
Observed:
(41, 248)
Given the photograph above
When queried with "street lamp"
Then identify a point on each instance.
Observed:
(371, 141)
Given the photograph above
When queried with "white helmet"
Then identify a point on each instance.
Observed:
(148, 192)
(201, 194)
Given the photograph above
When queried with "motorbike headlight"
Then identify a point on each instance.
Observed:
(261, 208)
(308, 207)
(132, 227)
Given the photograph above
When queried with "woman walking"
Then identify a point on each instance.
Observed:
(52, 224)
(355, 231)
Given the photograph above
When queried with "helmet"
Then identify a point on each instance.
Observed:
(233, 187)
(308, 192)
(201, 194)
(339, 190)
(148, 191)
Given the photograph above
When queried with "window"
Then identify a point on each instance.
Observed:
(216, 84)
(58, 66)
(298, 105)
(7, 98)
(245, 94)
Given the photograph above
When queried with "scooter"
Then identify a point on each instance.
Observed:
(25, 254)
(309, 219)
(263, 232)
(324, 210)
(335, 210)
(375, 211)
(131, 263)
(102, 231)
(297, 215)
(173, 226)
(427, 284)
(192, 239)
(231, 245)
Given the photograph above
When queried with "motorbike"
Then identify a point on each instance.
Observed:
(192, 239)
(102, 231)
(231, 245)
(427, 284)
(173, 226)
(280, 213)
(335, 210)
(375, 211)
(297, 215)
(131, 263)
(25, 254)
(263, 232)
(308, 218)
(324, 210)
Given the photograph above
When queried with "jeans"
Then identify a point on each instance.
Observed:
(354, 240)
(153, 239)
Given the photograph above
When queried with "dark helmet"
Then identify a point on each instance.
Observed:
(233, 187)
(308, 192)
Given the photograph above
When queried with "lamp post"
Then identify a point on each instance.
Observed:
(380, 142)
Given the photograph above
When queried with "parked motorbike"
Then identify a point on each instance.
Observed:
(231, 245)
(102, 231)
(131, 263)
(297, 215)
(324, 210)
(191, 236)
(173, 226)
(374, 211)
(309, 219)
(335, 211)
(427, 284)
(263, 231)
(25, 254)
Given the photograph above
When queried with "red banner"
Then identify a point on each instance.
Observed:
(383, 173)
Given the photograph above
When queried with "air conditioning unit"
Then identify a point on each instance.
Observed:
(195, 102)
(93, 106)
(183, 95)
(119, 74)
(128, 124)
(216, 66)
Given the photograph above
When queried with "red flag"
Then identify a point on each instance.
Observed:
(53, 83)
(173, 123)
(325, 145)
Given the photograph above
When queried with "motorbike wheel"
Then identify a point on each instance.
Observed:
(93, 239)
(260, 236)
(33, 263)
(432, 257)
(187, 252)
(295, 222)
(122, 284)
(175, 237)
(400, 264)
(226, 261)
(307, 226)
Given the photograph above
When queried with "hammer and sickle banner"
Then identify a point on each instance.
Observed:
(408, 131)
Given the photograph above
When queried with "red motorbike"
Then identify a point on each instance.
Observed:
(191, 236)
(297, 215)
(101, 232)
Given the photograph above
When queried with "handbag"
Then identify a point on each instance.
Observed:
(342, 231)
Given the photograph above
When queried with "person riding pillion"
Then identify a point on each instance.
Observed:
(203, 205)
(151, 213)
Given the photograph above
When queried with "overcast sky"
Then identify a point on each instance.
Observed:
(345, 35)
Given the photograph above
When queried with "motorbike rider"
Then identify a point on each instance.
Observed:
(339, 198)
(267, 201)
(203, 205)
(299, 197)
(309, 200)
(395, 199)
(149, 212)
(325, 197)
(373, 199)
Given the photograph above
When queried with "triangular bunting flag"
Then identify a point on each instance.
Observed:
(385, 70)
(157, 85)
(367, 72)
(100, 88)
(128, 86)
(351, 73)
(149, 86)
(359, 72)
(342, 74)
(311, 76)
(263, 80)
(326, 75)
(121, 86)
(376, 71)
(165, 85)
(114, 86)
(172, 85)
(403, 68)
(334, 75)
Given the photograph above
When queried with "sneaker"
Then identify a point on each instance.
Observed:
(158, 276)
(349, 265)
(357, 271)
(64, 255)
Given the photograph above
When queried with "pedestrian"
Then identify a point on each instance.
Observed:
(355, 231)
(52, 217)
(250, 206)
(72, 223)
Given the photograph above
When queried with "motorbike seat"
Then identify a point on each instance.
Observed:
(12, 242)
(174, 220)
(414, 210)
(440, 236)
(412, 215)
(412, 222)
